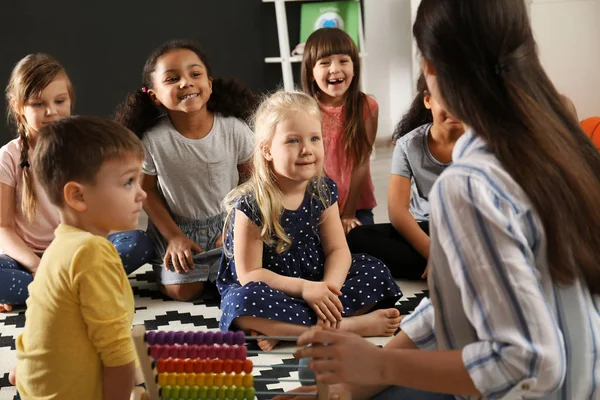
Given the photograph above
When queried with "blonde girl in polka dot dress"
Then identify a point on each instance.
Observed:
(287, 266)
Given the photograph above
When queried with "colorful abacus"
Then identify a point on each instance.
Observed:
(200, 365)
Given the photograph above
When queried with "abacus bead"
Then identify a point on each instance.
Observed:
(170, 365)
(218, 338)
(228, 338)
(179, 366)
(165, 392)
(188, 338)
(175, 391)
(150, 337)
(217, 366)
(190, 379)
(240, 393)
(179, 337)
(200, 380)
(237, 366)
(209, 379)
(198, 366)
(228, 380)
(208, 338)
(239, 338)
(172, 379)
(231, 392)
(182, 352)
(237, 380)
(192, 351)
(193, 394)
(189, 366)
(230, 352)
(211, 352)
(247, 366)
(219, 380)
(202, 351)
(241, 352)
(208, 366)
(222, 393)
(228, 366)
(160, 337)
(184, 392)
(172, 351)
(250, 393)
(163, 379)
(211, 393)
(222, 352)
(180, 379)
(202, 392)
(248, 380)
(198, 338)
(170, 337)
(154, 351)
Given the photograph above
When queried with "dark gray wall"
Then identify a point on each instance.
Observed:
(103, 44)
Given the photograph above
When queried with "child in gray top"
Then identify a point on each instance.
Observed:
(424, 138)
(197, 149)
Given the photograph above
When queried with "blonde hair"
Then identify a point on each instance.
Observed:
(263, 183)
(28, 79)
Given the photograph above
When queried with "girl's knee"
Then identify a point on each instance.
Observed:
(185, 292)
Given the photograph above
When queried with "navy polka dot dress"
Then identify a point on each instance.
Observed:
(368, 282)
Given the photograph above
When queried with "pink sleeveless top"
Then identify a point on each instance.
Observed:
(336, 160)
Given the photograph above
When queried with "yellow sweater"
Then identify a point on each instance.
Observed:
(78, 319)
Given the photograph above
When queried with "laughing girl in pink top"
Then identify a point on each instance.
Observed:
(330, 73)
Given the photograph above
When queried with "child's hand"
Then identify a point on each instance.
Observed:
(179, 253)
(349, 223)
(323, 299)
(424, 276)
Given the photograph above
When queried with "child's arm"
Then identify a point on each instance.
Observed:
(118, 382)
(106, 306)
(179, 247)
(400, 216)
(359, 174)
(335, 247)
(10, 242)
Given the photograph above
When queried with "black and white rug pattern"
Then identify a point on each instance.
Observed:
(157, 312)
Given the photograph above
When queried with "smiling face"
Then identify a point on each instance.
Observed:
(296, 151)
(333, 75)
(181, 82)
(51, 104)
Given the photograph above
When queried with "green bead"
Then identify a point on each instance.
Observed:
(175, 391)
(202, 393)
(193, 393)
(240, 393)
(165, 392)
(212, 392)
(231, 392)
(250, 393)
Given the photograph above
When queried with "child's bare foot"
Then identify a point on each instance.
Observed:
(5, 307)
(264, 344)
(376, 323)
(12, 376)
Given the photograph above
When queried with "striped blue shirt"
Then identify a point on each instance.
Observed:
(521, 335)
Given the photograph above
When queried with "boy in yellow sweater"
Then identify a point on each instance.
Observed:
(77, 339)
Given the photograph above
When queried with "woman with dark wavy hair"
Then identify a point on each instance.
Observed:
(514, 260)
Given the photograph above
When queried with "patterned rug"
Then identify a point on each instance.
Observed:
(157, 312)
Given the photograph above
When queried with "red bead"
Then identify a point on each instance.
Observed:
(230, 352)
(237, 366)
(164, 351)
(208, 366)
(192, 351)
(161, 365)
(172, 351)
(222, 352)
(202, 351)
(217, 366)
(228, 366)
(182, 352)
(154, 351)
(189, 366)
(169, 365)
(241, 353)
(211, 352)
(179, 366)
(247, 366)
(198, 366)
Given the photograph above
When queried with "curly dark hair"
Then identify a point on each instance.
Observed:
(229, 97)
(417, 114)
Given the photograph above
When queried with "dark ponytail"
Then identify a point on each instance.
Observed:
(417, 114)
(232, 99)
(137, 113)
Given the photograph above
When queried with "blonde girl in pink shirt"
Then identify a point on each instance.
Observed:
(330, 74)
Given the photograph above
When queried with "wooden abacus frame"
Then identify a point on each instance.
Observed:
(152, 388)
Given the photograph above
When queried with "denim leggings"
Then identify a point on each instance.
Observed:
(134, 247)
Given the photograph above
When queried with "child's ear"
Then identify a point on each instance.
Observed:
(427, 99)
(73, 194)
(266, 152)
(153, 97)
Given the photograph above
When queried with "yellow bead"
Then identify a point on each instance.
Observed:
(248, 381)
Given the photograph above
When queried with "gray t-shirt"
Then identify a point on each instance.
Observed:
(412, 159)
(195, 175)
